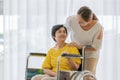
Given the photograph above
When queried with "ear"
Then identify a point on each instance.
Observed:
(53, 36)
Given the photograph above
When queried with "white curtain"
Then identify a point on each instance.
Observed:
(27, 27)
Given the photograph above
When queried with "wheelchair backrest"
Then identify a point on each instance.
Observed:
(34, 65)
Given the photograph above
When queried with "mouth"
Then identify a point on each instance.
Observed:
(62, 36)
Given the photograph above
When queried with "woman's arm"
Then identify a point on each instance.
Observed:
(49, 72)
(96, 43)
(72, 64)
(98, 39)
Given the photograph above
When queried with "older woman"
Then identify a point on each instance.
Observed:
(59, 34)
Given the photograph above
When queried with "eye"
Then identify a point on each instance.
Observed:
(59, 31)
(64, 31)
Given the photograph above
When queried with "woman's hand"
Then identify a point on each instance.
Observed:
(74, 44)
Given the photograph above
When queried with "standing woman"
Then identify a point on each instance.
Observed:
(85, 29)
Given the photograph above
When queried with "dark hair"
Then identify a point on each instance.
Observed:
(55, 28)
(86, 13)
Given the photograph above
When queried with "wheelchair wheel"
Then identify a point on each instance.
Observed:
(82, 75)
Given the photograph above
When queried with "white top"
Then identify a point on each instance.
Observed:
(80, 36)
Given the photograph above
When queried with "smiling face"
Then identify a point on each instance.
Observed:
(60, 35)
(84, 16)
(81, 21)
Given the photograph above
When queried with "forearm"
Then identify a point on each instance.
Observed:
(72, 64)
(49, 72)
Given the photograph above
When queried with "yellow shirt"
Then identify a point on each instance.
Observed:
(50, 61)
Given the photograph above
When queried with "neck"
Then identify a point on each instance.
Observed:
(60, 45)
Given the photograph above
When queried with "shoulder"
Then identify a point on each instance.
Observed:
(71, 48)
(70, 18)
(99, 29)
(98, 26)
(51, 50)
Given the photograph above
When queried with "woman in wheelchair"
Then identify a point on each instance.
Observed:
(59, 34)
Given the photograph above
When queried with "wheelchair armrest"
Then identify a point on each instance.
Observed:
(72, 55)
(37, 54)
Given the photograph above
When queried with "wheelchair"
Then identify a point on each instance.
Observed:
(61, 75)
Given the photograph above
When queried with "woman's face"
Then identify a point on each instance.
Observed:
(81, 21)
(60, 35)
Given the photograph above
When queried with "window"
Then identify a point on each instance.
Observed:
(110, 23)
(1, 33)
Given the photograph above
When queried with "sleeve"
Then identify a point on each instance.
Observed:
(97, 41)
(47, 61)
